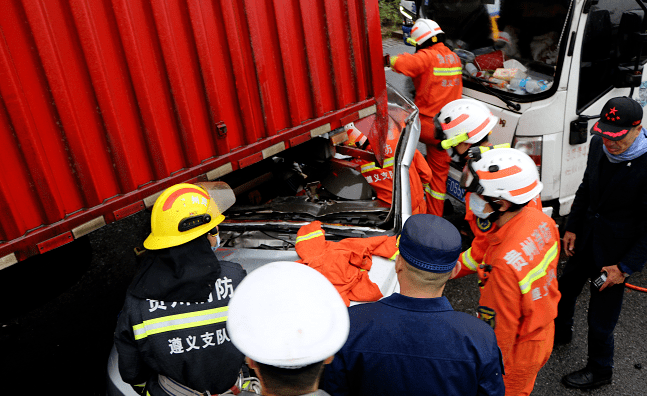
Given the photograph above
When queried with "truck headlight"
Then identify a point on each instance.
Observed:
(531, 146)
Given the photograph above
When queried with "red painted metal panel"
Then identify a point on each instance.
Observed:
(67, 73)
(33, 125)
(292, 45)
(377, 77)
(55, 242)
(128, 210)
(263, 38)
(237, 32)
(174, 31)
(106, 102)
(105, 60)
(149, 79)
(359, 53)
(343, 74)
(318, 56)
(215, 62)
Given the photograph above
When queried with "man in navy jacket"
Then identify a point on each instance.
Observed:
(413, 342)
(606, 232)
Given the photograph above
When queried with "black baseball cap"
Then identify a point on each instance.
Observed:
(618, 117)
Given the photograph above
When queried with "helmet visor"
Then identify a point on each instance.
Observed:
(470, 180)
(222, 196)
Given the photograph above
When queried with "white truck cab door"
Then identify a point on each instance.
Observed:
(605, 51)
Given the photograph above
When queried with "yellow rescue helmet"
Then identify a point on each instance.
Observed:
(185, 211)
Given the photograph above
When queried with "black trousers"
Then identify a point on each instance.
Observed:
(604, 310)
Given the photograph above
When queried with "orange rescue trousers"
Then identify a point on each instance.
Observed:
(438, 161)
(525, 361)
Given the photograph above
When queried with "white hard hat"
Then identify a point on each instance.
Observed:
(288, 315)
(464, 120)
(504, 173)
(424, 29)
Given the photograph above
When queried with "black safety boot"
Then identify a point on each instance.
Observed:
(586, 379)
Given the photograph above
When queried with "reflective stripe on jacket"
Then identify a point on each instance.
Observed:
(472, 257)
(437, 75)
(186, 341)
(519, 291)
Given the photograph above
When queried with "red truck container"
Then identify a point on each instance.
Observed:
(105, 103)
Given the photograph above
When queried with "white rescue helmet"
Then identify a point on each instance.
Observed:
(463, 120)
(287, 315)
(503, 173)
(423, 30)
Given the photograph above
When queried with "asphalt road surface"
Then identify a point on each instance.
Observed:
(57, 315)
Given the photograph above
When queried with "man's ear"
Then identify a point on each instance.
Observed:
(505, 205)
(252, 364)
(398, 263)
(456, 270)
(329, 359)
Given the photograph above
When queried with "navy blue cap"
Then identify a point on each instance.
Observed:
(430, 243)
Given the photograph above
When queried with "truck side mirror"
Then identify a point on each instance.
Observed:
(628, 40)
(626, 76)
(579, 132)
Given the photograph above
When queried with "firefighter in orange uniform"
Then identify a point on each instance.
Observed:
(517, 277)
(381, 179)
(461, 124)
(470, 259)
(437, 76)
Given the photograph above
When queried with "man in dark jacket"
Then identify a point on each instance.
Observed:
(171, 333)
(605, 233)
(413, 342)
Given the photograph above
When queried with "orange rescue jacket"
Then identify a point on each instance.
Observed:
(472, 257)
(381, 179)
(518, 279)
(344, 263)
(437, 75)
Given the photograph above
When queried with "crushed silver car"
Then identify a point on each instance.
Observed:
(278, 196)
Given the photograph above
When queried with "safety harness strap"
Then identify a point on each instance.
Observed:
(174, 388)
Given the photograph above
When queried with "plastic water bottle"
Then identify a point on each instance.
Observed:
(518, 83)
(534, 86)
(471, 69)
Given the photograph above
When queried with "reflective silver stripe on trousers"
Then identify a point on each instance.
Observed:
(174, 388)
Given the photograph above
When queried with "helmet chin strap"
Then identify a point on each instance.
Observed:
(495, 207)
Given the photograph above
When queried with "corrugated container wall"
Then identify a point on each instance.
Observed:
(104, 103)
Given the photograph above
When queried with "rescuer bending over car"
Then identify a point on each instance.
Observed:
(381, 178)
(171, 332)
(437, 76)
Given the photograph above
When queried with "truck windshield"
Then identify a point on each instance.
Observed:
(511, 45)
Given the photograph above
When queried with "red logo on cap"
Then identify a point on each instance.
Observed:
(613, 111)
(611, 134)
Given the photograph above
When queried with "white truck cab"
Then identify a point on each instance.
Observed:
(545, 68)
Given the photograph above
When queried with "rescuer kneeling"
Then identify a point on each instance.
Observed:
(171, 333)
